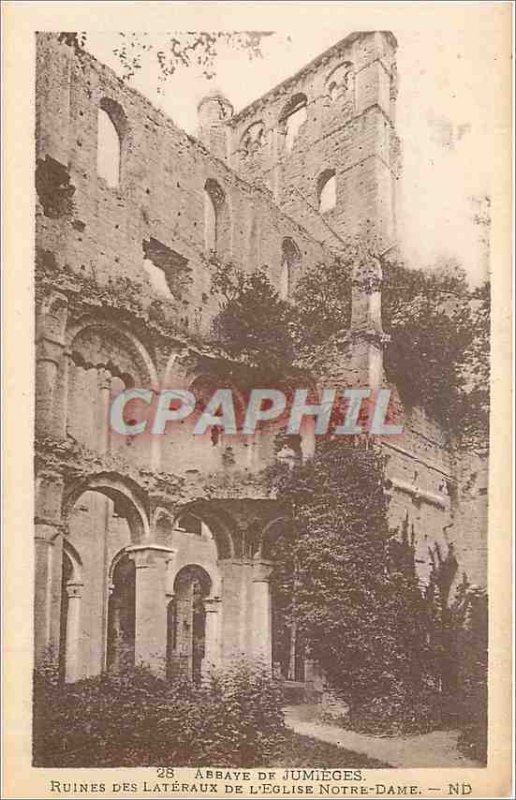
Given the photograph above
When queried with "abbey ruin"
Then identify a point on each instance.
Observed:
(157, 549)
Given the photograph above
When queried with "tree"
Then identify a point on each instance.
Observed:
(167, 53)
(181, 50)
(438, 357)
(253, 322)
(337, 569)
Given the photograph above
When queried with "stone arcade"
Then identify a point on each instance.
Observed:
(159, 550)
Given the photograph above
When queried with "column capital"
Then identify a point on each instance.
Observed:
(74, 589)
(48, 350)
(49, 475)
(146, 555)
(104, 378)
(262, 571)
(47, 532)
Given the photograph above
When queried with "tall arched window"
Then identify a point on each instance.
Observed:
(290, 261)
(292, 118)
(327, 190)
(214, 215)
(110, 133)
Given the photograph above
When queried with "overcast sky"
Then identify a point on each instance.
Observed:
(446, 117)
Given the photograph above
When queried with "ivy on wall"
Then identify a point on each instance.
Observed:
(337, 572)
(438, 356)
(402, 657)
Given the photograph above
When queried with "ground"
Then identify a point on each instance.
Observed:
(435, 749)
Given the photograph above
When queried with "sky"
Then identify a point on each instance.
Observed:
(447, 116)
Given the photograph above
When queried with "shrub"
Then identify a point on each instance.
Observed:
(253, 322)
(362, 618)
(135, 718)
(472, 660)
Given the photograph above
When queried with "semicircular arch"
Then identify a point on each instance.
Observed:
(97, 342)
(126, 492)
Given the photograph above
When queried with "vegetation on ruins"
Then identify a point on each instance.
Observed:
(342, 576)
(401, 656)
(175, 51)
(170, 52)
(438, 356)
(135, 718)
(253, 322)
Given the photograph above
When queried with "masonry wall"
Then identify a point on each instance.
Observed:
(110, 492)
(101, 233)
(349, 129)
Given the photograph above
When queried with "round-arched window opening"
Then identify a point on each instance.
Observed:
(253, 137)
(292, 117)
(340, 81)
(111, 130)
(290, 262)
(186, 623)
(327, 190)
(215, 215)
(122, 615)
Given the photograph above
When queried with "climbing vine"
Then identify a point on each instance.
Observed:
(402, 657)
(438, 354)
(342, 575)
(253, 323)
(342, 580)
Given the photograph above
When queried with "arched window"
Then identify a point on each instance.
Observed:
(340, 81)
(186, 623)
(110, 133)
(121, 615)
(290, 261)
(214, 215)
(253, 137)
(327, 190)
(292, 118)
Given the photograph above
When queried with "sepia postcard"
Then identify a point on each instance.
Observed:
(258, 385)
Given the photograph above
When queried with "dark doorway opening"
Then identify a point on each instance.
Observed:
(121, 616)
(186, 646)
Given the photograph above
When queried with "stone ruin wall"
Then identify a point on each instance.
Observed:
(86, 352)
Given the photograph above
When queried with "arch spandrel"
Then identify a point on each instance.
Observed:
(221, 525)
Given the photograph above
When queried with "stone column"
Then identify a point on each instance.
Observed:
(212, 641)
(51, 325)
(366, 335)
(150, 605)
(62, 402)
(104, 381)
(48, 553)
(156, 442)
(73, 631)
(46, 644)
(262, 614)
(48, 357)
(244, 576)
